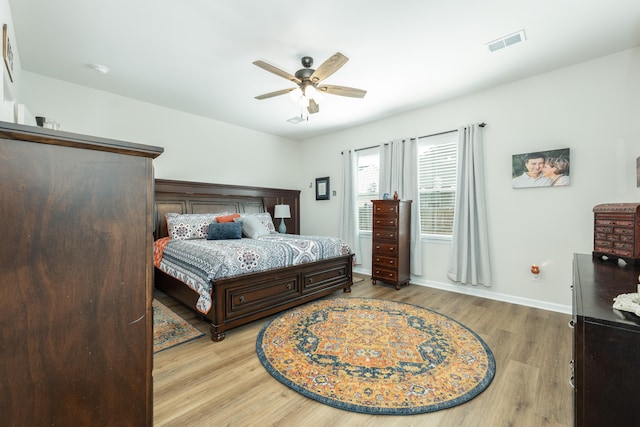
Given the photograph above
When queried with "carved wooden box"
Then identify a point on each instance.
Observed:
(616, 233)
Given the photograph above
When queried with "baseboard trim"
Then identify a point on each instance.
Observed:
(483, 293)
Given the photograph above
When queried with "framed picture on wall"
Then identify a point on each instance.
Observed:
(7, 53)
(322, 188)
(549, 168)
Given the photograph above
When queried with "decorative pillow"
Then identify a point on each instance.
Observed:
(224, 231)
(264, 217)
(189, 226)
(227, 218)
(252, 227)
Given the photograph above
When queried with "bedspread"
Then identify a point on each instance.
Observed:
(197, 262)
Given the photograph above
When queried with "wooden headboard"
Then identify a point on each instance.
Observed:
(200, 197)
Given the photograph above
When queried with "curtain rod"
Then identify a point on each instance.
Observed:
(483, 124)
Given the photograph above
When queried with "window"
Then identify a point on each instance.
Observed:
(368, 180)
(437, 163)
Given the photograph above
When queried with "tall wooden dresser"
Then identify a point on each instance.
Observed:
(606, 344)
(391, 245)
(76, 289)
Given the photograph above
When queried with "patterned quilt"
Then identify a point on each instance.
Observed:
(199, 261)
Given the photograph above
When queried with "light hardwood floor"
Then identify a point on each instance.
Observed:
(203, 383)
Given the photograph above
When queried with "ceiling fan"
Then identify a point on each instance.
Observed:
(308, 81)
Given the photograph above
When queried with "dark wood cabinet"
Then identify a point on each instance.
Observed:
(606, 344)
(391, 242)
(76, 291)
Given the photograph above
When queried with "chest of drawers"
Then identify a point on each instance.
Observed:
(606, 344)
(76, 341)
(616, 231)
(391, 249)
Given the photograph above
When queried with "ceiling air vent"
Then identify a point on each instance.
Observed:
(505, 41)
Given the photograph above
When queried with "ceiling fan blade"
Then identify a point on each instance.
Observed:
(276, 93)
(342, 91)
(329, 67)
(277, 71)
(313, 107)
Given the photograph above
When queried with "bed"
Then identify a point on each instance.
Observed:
(243, 298)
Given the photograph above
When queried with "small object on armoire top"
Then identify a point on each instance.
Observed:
(395, 195)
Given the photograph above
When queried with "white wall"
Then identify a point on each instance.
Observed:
(196, 148)
(592, 108)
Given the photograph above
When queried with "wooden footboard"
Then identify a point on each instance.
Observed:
(243, 299)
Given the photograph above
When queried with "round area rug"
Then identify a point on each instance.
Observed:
(375, 356)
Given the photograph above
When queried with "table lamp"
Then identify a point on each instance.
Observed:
(282, 211)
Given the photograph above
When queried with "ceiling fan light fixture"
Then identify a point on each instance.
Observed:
(310, 92)
(295, 94)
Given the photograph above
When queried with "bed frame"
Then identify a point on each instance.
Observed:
(243, 299)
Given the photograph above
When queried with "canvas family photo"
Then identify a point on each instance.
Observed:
(541, 169)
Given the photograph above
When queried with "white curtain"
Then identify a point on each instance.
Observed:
(399, 172)
(469, 262)
(349, 204)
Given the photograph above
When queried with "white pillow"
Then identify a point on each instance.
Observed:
(252, 227)
(264, 217)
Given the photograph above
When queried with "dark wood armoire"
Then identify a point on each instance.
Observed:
(76, 291)
(391, 242)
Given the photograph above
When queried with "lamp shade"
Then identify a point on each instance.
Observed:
(282, 211)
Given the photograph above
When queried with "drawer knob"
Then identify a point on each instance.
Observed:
(310, 279)
(288, 285)
(241, 298)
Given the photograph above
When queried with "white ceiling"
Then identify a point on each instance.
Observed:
(196, 55)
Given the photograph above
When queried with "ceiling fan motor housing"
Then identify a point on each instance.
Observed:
(304, 73)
